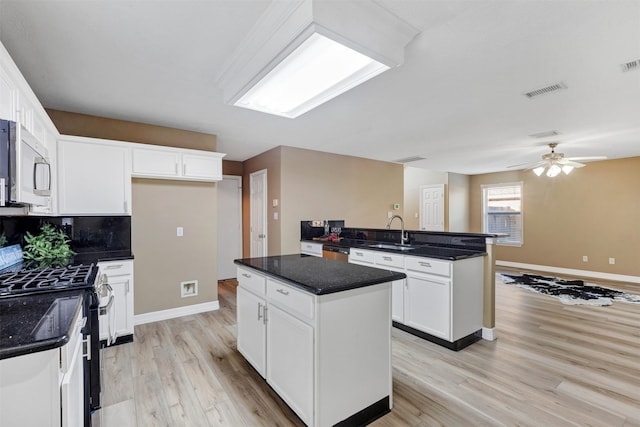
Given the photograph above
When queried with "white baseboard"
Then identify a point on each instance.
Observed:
(489, 334)
(571, 271)
(155, 316)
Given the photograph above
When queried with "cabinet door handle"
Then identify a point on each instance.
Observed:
(248, 276)
(113, 267)
(124, 204)
(359, 254)
(184, 169)
(3, 196)
(126, 286)
(425, 264)
(387, 258)
(282, 291)
(260, 311)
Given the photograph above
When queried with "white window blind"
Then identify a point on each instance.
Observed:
(503, 211)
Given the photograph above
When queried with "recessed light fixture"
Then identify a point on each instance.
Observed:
(304, 53)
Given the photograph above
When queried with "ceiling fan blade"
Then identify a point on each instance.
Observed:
(580, 159)
(568, 162)
(528, 165)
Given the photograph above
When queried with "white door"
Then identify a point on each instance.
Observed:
(432, 207)
(229, 225)
(258, 210)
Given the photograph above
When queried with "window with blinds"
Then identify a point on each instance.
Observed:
(502, 213)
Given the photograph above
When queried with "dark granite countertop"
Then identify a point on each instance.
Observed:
(421, 250)
(319, 276)
(37, 322)
(104, 256)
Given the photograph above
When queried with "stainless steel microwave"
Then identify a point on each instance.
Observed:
(25, 172)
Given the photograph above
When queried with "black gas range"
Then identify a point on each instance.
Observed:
(35, 282)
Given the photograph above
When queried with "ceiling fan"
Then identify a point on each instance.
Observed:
(554, 163)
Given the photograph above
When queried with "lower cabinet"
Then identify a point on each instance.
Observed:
(116, 314)
(441, 298)
(252, 330)
(327, 356)
(290, 361)
(311, 248)
(45, 388)
(427, 305)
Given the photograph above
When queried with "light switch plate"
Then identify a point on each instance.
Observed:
(179, 231)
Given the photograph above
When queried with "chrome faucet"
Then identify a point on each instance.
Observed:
(404, 237)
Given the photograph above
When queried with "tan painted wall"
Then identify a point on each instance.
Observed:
(458, 205)
(122, 130)
(230, 167)
(594, 211)
(271, 161)
(163, 260)
(318, 185)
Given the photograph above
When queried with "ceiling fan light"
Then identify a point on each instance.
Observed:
(567, 169)
(538, 171)
(553, 171)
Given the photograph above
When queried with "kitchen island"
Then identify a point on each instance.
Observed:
(319, 332)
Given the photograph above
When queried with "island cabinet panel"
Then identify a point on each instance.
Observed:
(328, 356)
(290, 361)
(252, 330)
(116, 318)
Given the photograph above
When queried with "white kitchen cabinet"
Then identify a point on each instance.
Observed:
(441, 298)
(290, 360)
(311, 248)
(45, 388)
(327, 356)
(116, 320)
(94, 177)
(427, 305)
(444, 298)
(8, 98)
(175, 163)
(252, 330)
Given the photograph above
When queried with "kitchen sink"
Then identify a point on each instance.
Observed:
(391, 247)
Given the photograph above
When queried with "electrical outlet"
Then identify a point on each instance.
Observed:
(612, 260)
(585, 258)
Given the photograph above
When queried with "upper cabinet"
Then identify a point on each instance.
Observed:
(94, 177)
(8, 98)
(175, 163)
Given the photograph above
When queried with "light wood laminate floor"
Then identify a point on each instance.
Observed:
(552, 365)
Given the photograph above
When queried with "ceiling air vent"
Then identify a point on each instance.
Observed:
(545, 134)
(545, 90)
(631, 66)
(410, 159)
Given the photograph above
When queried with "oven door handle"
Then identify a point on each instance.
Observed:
(102, 310)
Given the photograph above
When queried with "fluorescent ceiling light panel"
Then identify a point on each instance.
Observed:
(318, 70)
(302, 53)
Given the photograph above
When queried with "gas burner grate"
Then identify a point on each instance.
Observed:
(47, 279)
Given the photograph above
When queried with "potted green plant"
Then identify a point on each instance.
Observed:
(48, 248)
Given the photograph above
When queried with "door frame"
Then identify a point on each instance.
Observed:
(264, 212)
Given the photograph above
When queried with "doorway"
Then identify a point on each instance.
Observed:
(229, 225)
(258, 213)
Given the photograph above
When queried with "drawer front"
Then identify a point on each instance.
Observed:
(290, 298)
(252, 281)
(428, 265)
(359, 255)
(116, 268)
(310, 248)
(389, 260)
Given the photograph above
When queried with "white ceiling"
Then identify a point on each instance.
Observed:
(457, 100)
